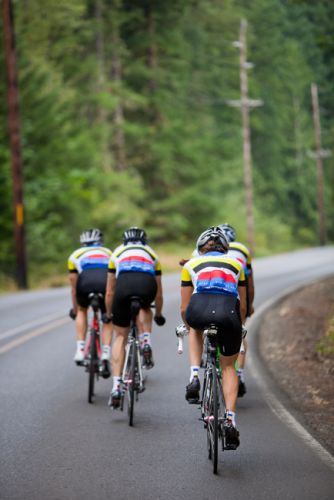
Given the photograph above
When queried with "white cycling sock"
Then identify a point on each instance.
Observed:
(147, 338)
(194, 372)
(141, 339)
(81, 345)
(116, 383)
(231, 416)
(106, 351)
(241, 375)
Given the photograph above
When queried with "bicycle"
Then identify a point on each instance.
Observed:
(132, 376)
(93, 346)
(212, 403)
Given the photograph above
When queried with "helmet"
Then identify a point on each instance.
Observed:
(229, 232)
(134, 234)
(91, 236)
(215, 234)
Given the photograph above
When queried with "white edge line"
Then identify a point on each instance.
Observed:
(274, 404)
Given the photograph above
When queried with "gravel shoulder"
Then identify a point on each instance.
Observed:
(297, 345)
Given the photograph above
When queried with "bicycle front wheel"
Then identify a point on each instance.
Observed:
(131, 384)
(92, 364)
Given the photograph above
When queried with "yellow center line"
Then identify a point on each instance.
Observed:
(25, 338)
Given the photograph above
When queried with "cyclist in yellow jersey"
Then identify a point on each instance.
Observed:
(213, 291)
(240, 252)
(88, 269)
(134, 269)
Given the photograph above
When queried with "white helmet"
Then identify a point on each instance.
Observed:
(216, 234)
(91, 236)
(229, 231)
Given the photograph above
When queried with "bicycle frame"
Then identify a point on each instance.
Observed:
(96, 327)
(132, 376)
(93, 346)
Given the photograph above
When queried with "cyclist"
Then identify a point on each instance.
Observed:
(240, 252)
(213, 291)
(88, 269)
(134, 269)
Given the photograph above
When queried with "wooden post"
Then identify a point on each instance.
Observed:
(246, 136)
(320, 174)
(15, 142)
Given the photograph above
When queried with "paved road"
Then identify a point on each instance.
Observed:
(55, 446)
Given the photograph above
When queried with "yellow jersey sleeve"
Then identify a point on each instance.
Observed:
(111, 266)
(186, 277)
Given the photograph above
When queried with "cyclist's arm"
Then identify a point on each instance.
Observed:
(243, 302)
(73, 279)
(251, 292)
(186, 293)
(158, 298)
(110, 290)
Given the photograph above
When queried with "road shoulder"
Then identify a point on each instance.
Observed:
(289, 339)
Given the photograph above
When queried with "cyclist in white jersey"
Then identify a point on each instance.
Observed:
(88, 269)
(240, 252)
(134, 269)
(213, 291)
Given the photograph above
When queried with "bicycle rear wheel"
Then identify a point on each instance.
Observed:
(92, 365)
(211, 417)
(131, 385)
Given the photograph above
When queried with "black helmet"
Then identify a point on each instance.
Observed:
(134, 234)
(91, 236)
(229, 232)
(216, 234)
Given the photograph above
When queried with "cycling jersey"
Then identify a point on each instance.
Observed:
(134, 257)
(90, 257)
(240, 252)
(214, 273)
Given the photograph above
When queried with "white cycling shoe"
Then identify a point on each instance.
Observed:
(79, 355)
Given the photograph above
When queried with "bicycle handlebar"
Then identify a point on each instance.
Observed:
(180, 345)
(181, 331)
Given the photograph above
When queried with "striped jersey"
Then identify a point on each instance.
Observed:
(134, 257)
(240, 252)
(214, 272)
(89, 257)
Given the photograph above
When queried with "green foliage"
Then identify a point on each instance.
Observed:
(125, 121)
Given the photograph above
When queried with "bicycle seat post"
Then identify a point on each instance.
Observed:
(135, 307)
(94, 299)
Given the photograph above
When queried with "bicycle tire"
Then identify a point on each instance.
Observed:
(205, 404)
(131, 386)
(91, 368)
(215, 422)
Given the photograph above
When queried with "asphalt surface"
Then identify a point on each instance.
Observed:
(55, 446)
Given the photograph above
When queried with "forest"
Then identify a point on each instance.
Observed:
(125, 121)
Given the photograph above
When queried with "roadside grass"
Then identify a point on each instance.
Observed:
(326, 345)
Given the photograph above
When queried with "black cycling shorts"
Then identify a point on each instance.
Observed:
(222, 310)
(91, 281)
(131, 283)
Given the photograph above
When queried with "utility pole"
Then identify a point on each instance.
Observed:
(319, 154)
(15, 142)
(245, 104)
